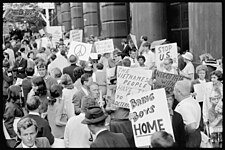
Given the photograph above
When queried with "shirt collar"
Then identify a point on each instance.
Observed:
(183, 101)
(104, 129)
(24, 146)
(34, 113)
(85, 90)
(201, 81)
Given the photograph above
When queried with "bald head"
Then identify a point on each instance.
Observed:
(182, 89)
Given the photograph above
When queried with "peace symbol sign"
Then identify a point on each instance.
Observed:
(80, 50)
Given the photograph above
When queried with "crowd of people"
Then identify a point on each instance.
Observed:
(43, 104)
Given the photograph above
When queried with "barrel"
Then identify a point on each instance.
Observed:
(66, 16)
(91, 19)
(114, 20)
(77, 21)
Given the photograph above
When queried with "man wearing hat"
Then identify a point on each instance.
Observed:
(95, 119)
(188, 70)
(69, 70)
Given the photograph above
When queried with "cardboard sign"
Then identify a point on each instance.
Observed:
(133, 37)
(60, 62)
(156, 43)
(76, 35)
(105, 46)
(82, 50)
(56, 32)
(130, 80)
(166, 80)
(151, 115)
(201, 90)
(164, 51)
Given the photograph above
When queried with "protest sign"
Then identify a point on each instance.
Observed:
(151, 114)
(44, 42)
(60, 62)
(166, 80)
(56, 32)
(105, 46)
(110, 72)
(82, 50)
(130, 80)
(156, 43)
(201, 90)
(76, 35)
(164, 51)
(133, 37)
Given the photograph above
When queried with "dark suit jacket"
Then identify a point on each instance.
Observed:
(41, 142)
(77, 101)
(27, 86)
(125, 51)
(20, 73)
(69, 70)
(44, 130)
(110, 140)
(178, 129)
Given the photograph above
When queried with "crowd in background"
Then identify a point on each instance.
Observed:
(46, 104)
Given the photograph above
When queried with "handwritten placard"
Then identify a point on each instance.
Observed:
(201, 90)
(130, 80)
(151, 114)
(166, 80)
(164, 51)
(76, 35)
(56, 32)
(105, 46)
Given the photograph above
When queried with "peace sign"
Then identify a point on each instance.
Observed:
(80, 50)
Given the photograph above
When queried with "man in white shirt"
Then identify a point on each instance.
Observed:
(11, 53)
(190, 111)
(133, 58)
(143, 40)
(149, 55)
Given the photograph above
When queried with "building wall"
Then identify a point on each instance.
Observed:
(148, 19)
(66, 16)
(205, 29)
(77, 21)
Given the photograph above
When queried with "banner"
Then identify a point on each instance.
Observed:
(130, 80)
(133, 37)
(151, 115)
(76, 35)
(105, 46)
(166, 80)
(60, 62)
(201, 90)
(56, 32)
(166, 50)
(82, 50)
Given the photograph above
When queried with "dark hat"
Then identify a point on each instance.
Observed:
(94, 115)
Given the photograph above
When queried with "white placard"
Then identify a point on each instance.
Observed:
(76, 35)
(133, 37)
(60, 62)
(94, 55)
(105, 46)
(82, 50)
(42, 32)
(130, 80)
(56, 32)
(201, 90)
(151, 115)
(166, 50)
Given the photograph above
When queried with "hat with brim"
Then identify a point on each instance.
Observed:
(188, 56)
(94, 115)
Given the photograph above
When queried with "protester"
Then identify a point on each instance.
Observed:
(86, 81)
(44, 130)
(149, 55)
(95, 120)
(56, 117)
(141, 61)
(188, 70)
(181, 63)
(167, 66)
(41, 54)
(23, 54)
(162, 139)
(13, 109)
(77, 73)
(10, 52)
(67, 95)
(69, 70)
(27, 83)
(20, 66)
(213, 109)
(143, 40)
(56, 73)
(126, 48)
(190, 111)
(27, 131)
(133, 58)
(30, 60)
